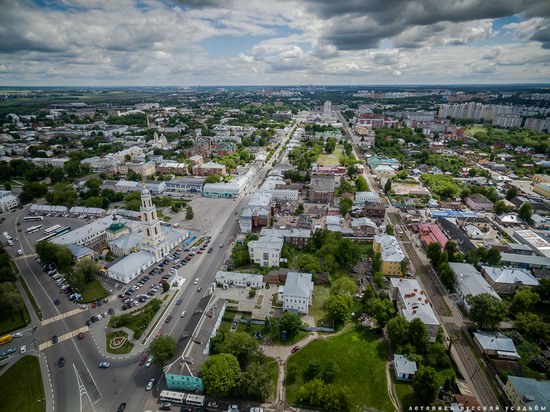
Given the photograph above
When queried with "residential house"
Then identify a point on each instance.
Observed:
(403, 368)
(207, 169)
(244, 280)
(496, 345)
(366, 197)
(528, 393)
(477, 201)
(266, 251)
(377, 210)
(473, 232)
(469, 282)
(321, 189)
(298, 292)
(479, 222)
(505, 281)
(174, 168)
(391, 252)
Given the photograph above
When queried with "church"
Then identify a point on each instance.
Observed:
(155, 243)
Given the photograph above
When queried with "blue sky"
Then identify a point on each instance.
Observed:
(257, 42)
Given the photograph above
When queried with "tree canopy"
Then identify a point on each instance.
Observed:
(487, 311)
(221, 374)
(162, 349)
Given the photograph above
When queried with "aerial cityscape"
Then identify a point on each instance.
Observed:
(299, 205)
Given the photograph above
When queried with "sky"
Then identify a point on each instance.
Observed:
(273, 42)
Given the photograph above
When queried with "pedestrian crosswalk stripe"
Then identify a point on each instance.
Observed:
(61, 316)
(72, 334)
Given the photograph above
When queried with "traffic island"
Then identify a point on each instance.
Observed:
(118, 343)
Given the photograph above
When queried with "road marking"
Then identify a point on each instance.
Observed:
(72, 334)
(61, 316)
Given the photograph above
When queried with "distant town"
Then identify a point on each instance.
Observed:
(275, 248)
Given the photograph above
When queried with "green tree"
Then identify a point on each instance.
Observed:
(543, 289)
(433, 252)
(500, 207)
(308, 263)
(377, 262)
(345, 206)
(487, 311)
(165, 286)
(62, 194)
(525, 212)
(418, 335)
(162, 349)
(76, 280)
(387, 186)
(524, 300)
(511, 193)
(241, 345)
(343, 286)
(189, 213)
(87, 268)
(452, 250)
(493, 257)
(347, 252)
(437, 356)
(390, 230)
(339, 307)
(221, 374)
(361, 184)
(256, 382)
(55, 254)
(380, 309)
(404, 264)
(212, 179)
(425, 385)
(532, 326)
(290, 322)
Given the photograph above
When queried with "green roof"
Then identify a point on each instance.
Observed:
(115, 227)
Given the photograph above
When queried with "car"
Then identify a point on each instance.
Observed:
(88, 322)
(209, 250)
(61, 362)
(165, 406)
(121, 407)
(150, 384)
(94, 305)
(295, 349)
(54, 339)
(196, 281)
(199, 289)
(9, 352)
(168, 319)
(111, 311)
(149, 362)
(183, 314)
(81, 335)
(17, 335)
(23, 349)
(104, 365)
(178, 302)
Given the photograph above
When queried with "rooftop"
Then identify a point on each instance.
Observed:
(298, 284)
(471, 280)
(533, 392)
(511, 276)
(495, 341)
(390, 248)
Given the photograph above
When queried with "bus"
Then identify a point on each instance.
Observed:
(196, 400)
(51, 229)
(32, 218)
(5, 339)
(33, 229)
(174, 397)
(62, 230)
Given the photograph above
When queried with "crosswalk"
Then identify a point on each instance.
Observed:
(61, 316)
(72, 334)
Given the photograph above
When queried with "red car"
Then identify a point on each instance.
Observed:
(142, 359)
(93, 305)
(81, 335)
(295, 349)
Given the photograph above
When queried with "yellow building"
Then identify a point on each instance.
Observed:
(542, 189)
(392, 254)
(541, 179)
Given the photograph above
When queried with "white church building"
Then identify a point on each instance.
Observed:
(155, 244)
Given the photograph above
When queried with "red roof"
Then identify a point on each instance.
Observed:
(431, 233)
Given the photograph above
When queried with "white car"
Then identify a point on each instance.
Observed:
(17, 335)
(183, 314)
(150, 384)
(149, 362)
(196, 282)
(23, 349)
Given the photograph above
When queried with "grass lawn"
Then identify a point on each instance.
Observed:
(320, 297)
(31, 297)
(21, 386)
(404, 391)
(360, 359)
(125, 348)
(93, 291)
(273, 366)
(474, 128)
(332, 159)
(14, 322)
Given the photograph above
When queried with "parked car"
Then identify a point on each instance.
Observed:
(295, 349)
(149, 362)
(81, 335)
(17, 335)
(23, 349)
(166, 406)
(168, 319)
(121, 407)
(150, 384)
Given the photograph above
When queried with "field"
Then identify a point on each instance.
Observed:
(14, 322)
(21, 386)
(332, 159)
(320, 297)
(360, 359)
(93, 291)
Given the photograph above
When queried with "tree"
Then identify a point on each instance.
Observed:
(308, 263)
(221, 374)
(189, 213)
(377, 262)
(493, 257)
(347, 251)
(532, 326)
(452, 250)
(418, 335)
(525, 212)
(437, 356)
(76, 280)
(380, 309)
(339, 307)
(55, 254)
(543, 289)
(241, 345)
(361, 184)
(162, 349)
(387, 186)
(290, 322)
(405, 263)
(425, 385)
(345, 206)
(11, 302)
(500, 207)
(524, 300)
(63, 194)
(87, 268)
(487, 311)
(256, 382)
(343, 286)
(165, 286)
(433, 252)
(390, 230)
(214, 178)
(511, 193)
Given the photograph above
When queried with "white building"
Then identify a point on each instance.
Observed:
(7, 201)
(131, 266)
(126, 186)
(245, 280)
(470, 282)
(87, 234)
(364, 197)
(505, 281)
(266, 251)
(298, 292)
(231, 189)
(413, 303)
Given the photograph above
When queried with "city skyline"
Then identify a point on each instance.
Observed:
(285, 43)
